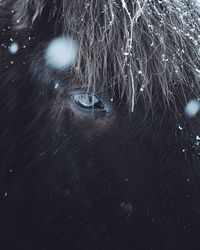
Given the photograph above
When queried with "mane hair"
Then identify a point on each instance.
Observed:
(147, 49)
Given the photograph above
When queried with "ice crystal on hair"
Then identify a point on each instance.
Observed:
(56, 85)
(180, 128)
(61, 53)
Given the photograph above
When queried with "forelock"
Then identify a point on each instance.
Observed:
(136, 46)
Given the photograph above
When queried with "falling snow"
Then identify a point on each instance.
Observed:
(61, 53)
(192, 108)
(13, 48)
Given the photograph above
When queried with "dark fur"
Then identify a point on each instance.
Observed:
(129, 181)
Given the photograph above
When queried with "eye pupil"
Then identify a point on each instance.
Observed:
(90, 99)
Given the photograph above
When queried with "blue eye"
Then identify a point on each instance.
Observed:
(91, 103)
(87, 101)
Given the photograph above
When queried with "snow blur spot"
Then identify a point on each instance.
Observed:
(192, 108)
(13, 48)
(61, 53)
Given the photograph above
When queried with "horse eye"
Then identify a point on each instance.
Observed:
(87, 101)
(91, 104)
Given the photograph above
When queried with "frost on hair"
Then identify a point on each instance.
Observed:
(147, 49)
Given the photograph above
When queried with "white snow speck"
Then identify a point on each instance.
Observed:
(56, 86)
(192, 108)
(61, 53)
(180, 127)
(13, 48)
